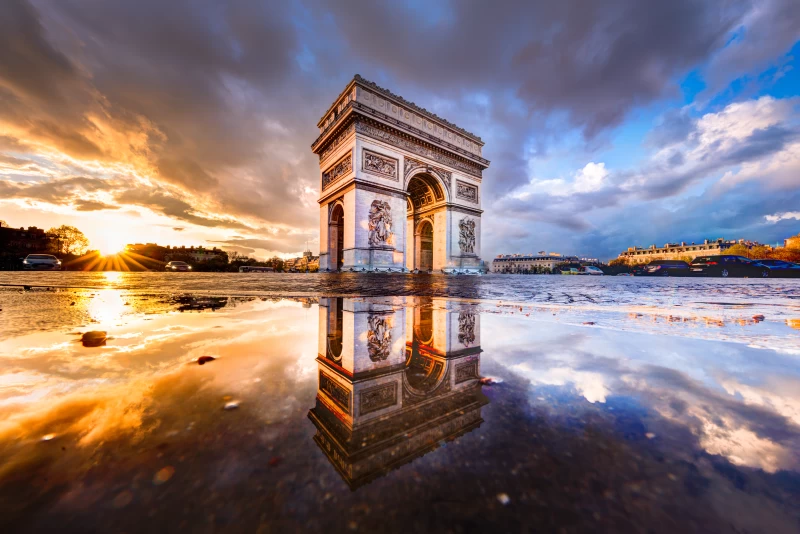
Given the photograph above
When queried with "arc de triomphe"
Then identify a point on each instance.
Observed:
(400, 188)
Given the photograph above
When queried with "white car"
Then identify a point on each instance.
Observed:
(41, 262)
(590, 269)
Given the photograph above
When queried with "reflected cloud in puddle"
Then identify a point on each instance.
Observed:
(334, 395)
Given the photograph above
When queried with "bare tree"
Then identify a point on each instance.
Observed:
(276, 263)
(70, 240)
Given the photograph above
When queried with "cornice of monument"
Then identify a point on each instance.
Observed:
(388, 94)
(399, 100)
(356, 112)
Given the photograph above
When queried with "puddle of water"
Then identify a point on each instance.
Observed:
(423, 413)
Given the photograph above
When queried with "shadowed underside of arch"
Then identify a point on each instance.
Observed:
(424, 190)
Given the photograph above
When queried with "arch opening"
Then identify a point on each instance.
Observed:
(336, 237)
(425, 370)
(424, 245)
(335, 330)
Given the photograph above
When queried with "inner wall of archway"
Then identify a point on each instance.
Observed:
(426, 248)
(336, 236)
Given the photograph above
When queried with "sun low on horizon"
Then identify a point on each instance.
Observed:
(110, 246)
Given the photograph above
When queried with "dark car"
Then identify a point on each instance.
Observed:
(179, 266)
(726, 266)
(638, 270)
(667, 268)
(782, 269)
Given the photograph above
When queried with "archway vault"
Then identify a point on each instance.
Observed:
(425, 190)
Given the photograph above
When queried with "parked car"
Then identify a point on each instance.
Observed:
(41, 262)
(667, 268)
(782, 269)
(726, 266)
(638, 269)
(595, 271)
(177, 266)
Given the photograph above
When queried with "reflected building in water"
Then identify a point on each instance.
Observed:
(396, 379)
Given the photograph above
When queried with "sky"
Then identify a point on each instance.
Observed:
(607, 124)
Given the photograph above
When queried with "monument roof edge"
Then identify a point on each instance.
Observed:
(349, 86)
(387, 93)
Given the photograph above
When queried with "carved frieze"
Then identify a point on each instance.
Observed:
(336, 392)
(377, 398)
(466, 328)
(379, 164)
(380, 224)
(466, 235)
(466, 191)
(341, 168)
(379, 337)
(466, 371)
(413, 106)
(338, 140)
(416, 148)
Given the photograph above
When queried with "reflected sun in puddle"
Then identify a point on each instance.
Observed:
(107, 306)
(112, 276)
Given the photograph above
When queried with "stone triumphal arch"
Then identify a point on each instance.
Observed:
(400, 188)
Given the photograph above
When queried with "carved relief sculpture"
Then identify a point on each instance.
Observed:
(337, 141)
(466, 235)
(378, 164)
(378, 398)
(380, 224)
(335, 392)
(466, 371)
(466, 327)
(341, 168)
(416, 148)
(466, 191)
(379, 338)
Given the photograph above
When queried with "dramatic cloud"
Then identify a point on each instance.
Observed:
(203, 113)
(783, 216)
(742, 157)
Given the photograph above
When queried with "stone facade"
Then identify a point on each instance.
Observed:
(517, 263)
(399, 186)
(681, 251)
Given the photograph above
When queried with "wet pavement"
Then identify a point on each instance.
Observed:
(660, 407)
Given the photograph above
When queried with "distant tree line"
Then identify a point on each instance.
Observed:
(71, 246)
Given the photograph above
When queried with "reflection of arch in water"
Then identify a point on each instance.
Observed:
(335, 330)
(423, 325)
(375, 415)
(426, 369)
(424, 373)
